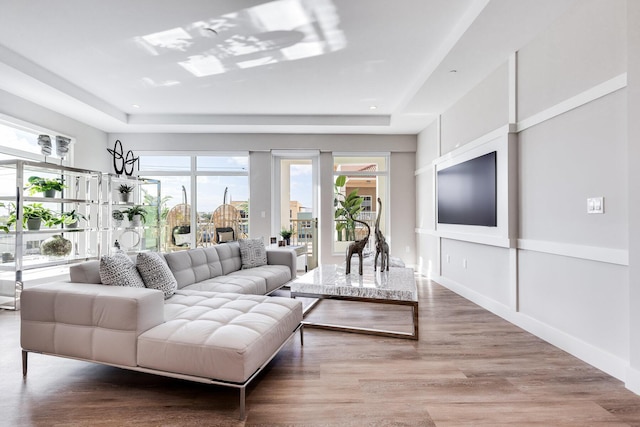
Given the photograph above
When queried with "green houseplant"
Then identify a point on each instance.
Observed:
(286, 235)
(117, 216)
(33, 216)
(47, 186)
(71, 219)
(346, 207)
(125, 192)
(135, 214)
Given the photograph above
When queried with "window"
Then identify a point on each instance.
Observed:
(216, 185)
(368, 177)
(20, 140)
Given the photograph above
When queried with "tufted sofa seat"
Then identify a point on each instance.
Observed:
(230, 335)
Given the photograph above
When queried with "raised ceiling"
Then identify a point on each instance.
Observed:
(282, 66)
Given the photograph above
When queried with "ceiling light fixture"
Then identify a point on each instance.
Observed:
(135, 105)
(373, 107)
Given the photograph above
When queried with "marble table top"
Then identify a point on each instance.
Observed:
(396, 284)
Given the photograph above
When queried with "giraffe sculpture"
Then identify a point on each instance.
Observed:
(357, 247)
(382, 247)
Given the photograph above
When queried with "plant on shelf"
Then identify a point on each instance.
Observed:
(47, 186)
(125, 192)
(286, 235)
(71, 219)
(33, 216)
(135, 214)
(117, 216)
(347, 208)
(4, 227)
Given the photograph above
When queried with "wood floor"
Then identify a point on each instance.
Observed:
(468, 368)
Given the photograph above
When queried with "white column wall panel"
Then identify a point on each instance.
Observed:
(584, 48)
(633, 154)
(260, 195)
(402, 207)
(427, 261)
(486, 272)
(482, 110)
(568, 159)
(584, 299)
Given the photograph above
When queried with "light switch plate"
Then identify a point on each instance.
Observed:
(595, 205)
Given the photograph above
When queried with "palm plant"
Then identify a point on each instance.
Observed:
(347, 208)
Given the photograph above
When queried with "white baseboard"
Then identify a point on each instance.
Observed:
(632, 381)
(607, 362)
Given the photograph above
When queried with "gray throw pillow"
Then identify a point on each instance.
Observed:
(155, 273)
(253, 253)
(119, 270)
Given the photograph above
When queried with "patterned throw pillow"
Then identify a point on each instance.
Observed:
(156, 274)
(252, 252)
(119, 270)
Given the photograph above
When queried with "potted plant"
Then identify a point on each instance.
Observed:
(286, 235)
(46, 186)
(33, 216)
(135, 214)
(71, 219)
(125, 192)
(117, 216)
(346, 207)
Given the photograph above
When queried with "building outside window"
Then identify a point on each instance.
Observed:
(369, 176)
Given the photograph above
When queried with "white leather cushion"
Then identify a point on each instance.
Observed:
(155, 273)
(222, 336)
(119, 270)
(253, 253)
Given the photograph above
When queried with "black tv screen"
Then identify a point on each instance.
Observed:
(467, 192)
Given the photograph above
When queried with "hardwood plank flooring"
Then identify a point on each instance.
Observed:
(469, 368)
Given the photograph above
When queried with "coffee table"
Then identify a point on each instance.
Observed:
(396, 286)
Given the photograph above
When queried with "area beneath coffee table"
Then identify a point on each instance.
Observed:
(396, 286)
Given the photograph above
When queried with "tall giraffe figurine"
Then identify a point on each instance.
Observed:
(382, 248)
(357, 247)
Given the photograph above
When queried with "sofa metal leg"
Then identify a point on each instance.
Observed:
(301, 334)
(24, 362)
(242, 402)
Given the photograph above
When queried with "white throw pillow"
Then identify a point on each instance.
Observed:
(253, 253)
(119, 270)
(155, 273)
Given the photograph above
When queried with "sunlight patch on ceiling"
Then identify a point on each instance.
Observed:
(277, 31)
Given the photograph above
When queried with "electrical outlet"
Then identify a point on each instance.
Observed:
(464, 263)
(448, 259)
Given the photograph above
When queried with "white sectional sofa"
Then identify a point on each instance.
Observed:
(202, 333)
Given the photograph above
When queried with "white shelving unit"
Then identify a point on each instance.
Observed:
(22, 261)
(131, 238)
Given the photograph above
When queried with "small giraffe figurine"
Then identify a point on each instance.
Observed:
(357, 247)
(382, 248)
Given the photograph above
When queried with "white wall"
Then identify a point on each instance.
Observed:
(90, 149)
(633, 154)
(565, 277)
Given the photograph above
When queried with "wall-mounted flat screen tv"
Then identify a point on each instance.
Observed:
(467, 192)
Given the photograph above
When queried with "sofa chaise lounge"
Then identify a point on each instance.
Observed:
(201, 333)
